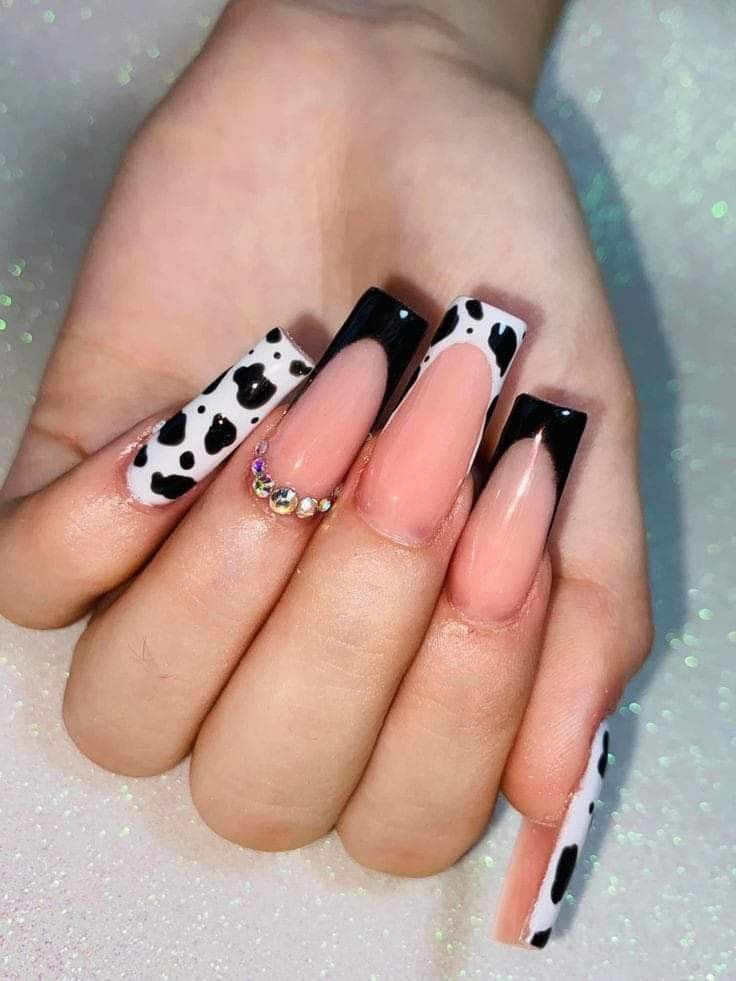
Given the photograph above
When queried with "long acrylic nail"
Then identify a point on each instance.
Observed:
(318, 438)
(501, 548)
(569, 844)
(189, 445)
(428, 445)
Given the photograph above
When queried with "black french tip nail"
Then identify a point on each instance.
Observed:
(560, 427)
(380, 317)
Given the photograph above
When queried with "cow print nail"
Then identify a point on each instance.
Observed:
(498, 335)
(189, 445)
(569, 843)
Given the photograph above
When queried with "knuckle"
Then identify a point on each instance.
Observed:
(396, 849)
(246, 818)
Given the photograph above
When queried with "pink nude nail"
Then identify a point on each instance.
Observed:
(428, 446)
(501, 548)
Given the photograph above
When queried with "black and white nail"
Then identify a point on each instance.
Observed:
(569, 844)
(496, 333)
(188, 446)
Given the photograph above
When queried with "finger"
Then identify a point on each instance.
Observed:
(319, 678)
(150, 665)
(432, 781)
(598, 634)
(93, 527)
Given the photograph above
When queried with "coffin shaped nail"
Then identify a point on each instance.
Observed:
(189, 445)
(317, 440)
(569, 844)
(501, 547)
(429, 443)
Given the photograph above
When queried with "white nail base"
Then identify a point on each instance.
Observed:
(569, 844)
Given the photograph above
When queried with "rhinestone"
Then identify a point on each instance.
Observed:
(262, 486)
(262, 447)
(258, 466)
(307, 507)
(283, 500)
(325, 504)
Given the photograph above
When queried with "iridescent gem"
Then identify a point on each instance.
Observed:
(325, 504)
(262, 448)
(283, 500)
(307, 507)
(262, 486)
(258, 466)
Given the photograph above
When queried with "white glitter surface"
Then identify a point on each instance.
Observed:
(103, 877)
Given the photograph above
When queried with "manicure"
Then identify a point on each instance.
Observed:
(428, 446)
(569, 844)
(318, 438)
(189, 445)
(501, 548)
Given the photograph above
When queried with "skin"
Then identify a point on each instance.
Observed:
(399, 148)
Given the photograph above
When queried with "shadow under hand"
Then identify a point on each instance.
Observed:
(653, 368)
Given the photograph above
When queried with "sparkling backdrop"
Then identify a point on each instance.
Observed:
(111, 878)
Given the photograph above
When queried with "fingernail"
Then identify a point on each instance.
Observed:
(189, 445)
(569, 844)
(318, 438)
(427, 447)
(501, 548)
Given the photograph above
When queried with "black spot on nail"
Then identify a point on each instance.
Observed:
(254, 389)
(213, 385)
(171, 486)
(603, 758)
(590, 807)
(254, 420)
(201, 409)
(186, 460)
(475, 309)
(540, 938)
(563, 872)
(468, 330)
(447, 326)
(141, 457)
(221, 433)
(172, 433)
(502, 342)
(274, 336)
(299, 369)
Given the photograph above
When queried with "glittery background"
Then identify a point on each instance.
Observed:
(102, 877)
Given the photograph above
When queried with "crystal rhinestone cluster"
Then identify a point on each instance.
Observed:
(284, 500)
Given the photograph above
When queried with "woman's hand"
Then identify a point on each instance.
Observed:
(304, 155)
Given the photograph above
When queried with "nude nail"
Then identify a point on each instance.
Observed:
(319, 437)
(426, 450)
(501, 548)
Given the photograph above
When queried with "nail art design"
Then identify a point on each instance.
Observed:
(188, 446)
(569, 843)
(496, 333)
(380, 317)
(430, 441)
(285, 500)
(559, 427)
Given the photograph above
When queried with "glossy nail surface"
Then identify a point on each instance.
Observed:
(428, 445)
(569, 844)
(319, 437)
(501, 548)
(189, 445)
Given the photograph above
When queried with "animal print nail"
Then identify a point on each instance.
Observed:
(569, 843)
(493, 331)
(188, 446)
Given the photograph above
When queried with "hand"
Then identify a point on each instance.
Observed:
(306, 154)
